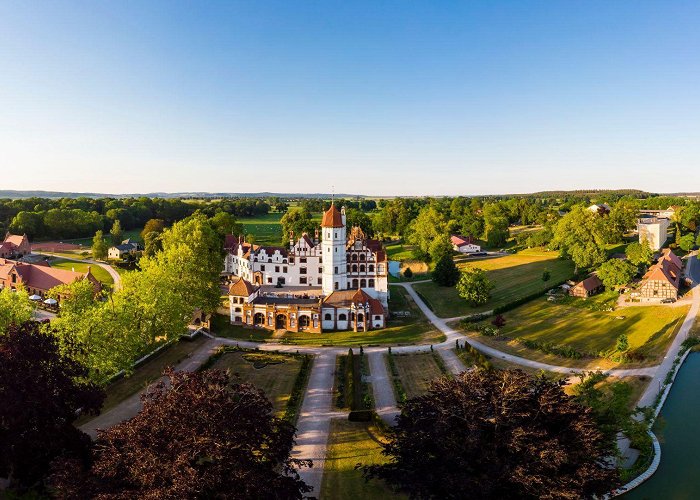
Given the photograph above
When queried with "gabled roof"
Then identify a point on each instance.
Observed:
(332, 217)
(461, 241)
(15, 239)
(668, 255)
(664, 270)
(345, 298)
(589, 284)
(242, 288)
(39, 276)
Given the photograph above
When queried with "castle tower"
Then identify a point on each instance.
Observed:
(333, 247)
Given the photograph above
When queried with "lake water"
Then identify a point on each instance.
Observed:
(678, 475)
(394, 268)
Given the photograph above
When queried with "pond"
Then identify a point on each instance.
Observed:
(394, 268)
(677, 476)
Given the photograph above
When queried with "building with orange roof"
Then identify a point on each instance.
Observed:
(662, 280)
(38, 279)
(15, 246)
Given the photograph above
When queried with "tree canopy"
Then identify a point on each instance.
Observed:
(616, 272)
(15, 307)
(196, 437)
(41, 390)
(496, 434)
(639, 254)
(474, 286)
(577, 236)
(446, 272)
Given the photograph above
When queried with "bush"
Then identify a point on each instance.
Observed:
(407, 273)
(360, 416)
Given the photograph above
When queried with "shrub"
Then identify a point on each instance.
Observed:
(407, 273)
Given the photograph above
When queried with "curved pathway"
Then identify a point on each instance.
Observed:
(114, 274)
(317, 408)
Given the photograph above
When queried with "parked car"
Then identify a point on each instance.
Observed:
(667, 301)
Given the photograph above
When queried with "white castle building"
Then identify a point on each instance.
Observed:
(338, 283)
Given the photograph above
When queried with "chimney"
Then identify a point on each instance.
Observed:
(342, 214)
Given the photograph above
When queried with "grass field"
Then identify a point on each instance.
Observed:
(575, 324)
(416, 371)
(275, 379)
(410, 330)
(149, 372)
(81, 267)
(350, 443)
(514, 276)
(266, 229)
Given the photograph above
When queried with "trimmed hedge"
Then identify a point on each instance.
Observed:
(291, 413)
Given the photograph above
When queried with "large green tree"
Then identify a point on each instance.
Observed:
(494, 434)
(445, 272)
(15, 307)
(616, 272)
(577, 237)
(116, 232)
(639, 254)
(474, 286)
(99, 246)
(298, 221)
(426, 233)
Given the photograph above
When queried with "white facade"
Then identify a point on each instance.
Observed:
(467, 248)
(654, 230)
(333, 250)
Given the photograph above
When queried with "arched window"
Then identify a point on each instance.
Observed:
(354, 257)
(362, 257)
(363, 283)
(360, 317)
(354, 283)
(354, 268)
(348, 267)
(370, 268)
(342, 317)
(362, 268)
(371, 283)
(327, 317)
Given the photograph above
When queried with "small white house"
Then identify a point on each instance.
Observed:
(464, 244)
(119, 252)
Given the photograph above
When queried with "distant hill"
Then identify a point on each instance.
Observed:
(64, 194)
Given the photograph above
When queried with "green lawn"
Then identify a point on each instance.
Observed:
(149, 372)
(576, 324)
(350, 443)
(81, 267)
(416, 371)
(273, 373)
(400, 252)
(514, 276)
(415, 329)
(266, 229)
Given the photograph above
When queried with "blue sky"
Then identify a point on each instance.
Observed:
(374, 97)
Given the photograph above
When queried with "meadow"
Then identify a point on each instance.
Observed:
(515, 276)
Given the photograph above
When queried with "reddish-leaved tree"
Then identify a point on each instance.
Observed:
(491, 434)
(196, 437)
(41, 393)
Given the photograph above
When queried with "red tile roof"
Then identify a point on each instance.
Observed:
(589, 284)
(41, 277)
(332, 218)
(345, 298)
(242, 288)
(460, 241)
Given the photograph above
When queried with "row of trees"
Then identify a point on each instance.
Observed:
(153, 305)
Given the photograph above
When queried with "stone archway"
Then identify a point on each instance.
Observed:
(304, 322)
(259, 319)
(280, 322)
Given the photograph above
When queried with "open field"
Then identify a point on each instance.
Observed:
(514, 276)
(403, 253)
(81, 267)
(350, 443)
(416, 371)
(273, 373)
(637, 386)
(593, 333)
(266, 229)
(150, 371)
(405, 330)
